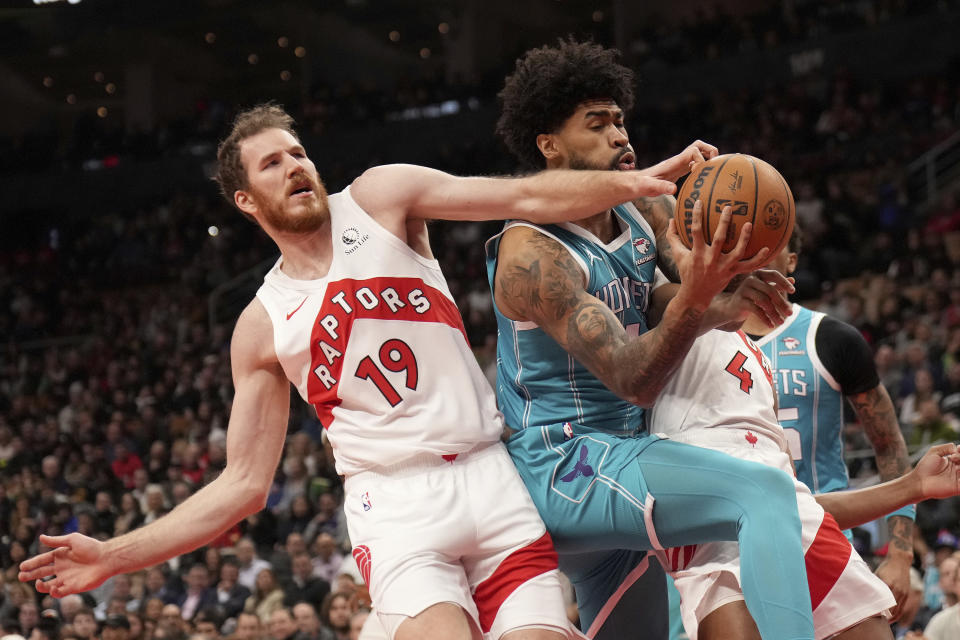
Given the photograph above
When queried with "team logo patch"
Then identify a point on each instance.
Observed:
(363, 558)
(365, 501)
(642, 245)
(581, 468)
(567, 431)
(752, 439)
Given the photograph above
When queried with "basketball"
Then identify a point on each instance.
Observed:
(755, 191)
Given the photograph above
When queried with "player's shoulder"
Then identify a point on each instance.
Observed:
(252, 342)
(833, 332)
(388, 191)
(526, 243)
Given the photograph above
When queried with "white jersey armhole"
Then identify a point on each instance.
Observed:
(659, 279)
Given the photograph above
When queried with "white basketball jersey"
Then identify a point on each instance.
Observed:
(378, 348)
(724, 383)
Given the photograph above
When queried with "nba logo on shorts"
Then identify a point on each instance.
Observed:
(567, 431)
(365, 500)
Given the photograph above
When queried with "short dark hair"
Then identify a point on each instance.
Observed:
(795, 244)
(547, 86)
(231, 175)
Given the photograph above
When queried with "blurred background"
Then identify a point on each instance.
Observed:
(122, 271)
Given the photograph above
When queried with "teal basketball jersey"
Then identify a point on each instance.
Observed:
(545, 385)
(811, 402)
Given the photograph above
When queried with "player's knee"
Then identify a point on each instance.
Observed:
(770, 483)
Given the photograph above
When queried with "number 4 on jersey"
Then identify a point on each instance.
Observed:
(735, 368)
(396, 356)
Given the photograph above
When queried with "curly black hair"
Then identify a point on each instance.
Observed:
(549, 84)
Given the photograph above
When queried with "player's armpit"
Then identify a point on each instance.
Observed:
(539, 281)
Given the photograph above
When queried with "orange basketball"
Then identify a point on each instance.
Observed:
(755, 191)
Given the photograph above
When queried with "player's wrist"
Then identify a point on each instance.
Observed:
(695, 298)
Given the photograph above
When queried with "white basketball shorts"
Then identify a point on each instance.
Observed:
(463, 531)
(843, 590)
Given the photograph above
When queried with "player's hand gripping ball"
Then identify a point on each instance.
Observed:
(755, 192)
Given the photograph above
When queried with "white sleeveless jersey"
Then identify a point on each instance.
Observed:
(721, 393)
(379, 349)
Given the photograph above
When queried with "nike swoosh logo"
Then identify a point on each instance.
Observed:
(290, 315)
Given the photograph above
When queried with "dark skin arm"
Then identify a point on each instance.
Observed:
(879, 419)
(537, 280)
(658, 212)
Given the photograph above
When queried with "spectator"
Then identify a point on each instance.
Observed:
(308, 623)
(282, 558)
(945, 625)
(335, 614)
(28, 616)
(231, 595)
(115, 627)
(267, 596)
(69, 606)
(125, 463)
(281, 625)
(924, 389)
(250, 564)
(136, 626)
(357, 620)
(249, 627)
(327, 558)
(85, 624)
(303, 585)
(198, 593)
(207, 623)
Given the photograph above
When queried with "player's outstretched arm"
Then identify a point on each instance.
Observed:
(538, 280)
(254, 443)
(409, 191)
(936, 475)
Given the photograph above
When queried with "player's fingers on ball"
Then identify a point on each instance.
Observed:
(736, 255)
(758, 260)
(720, 233)
(696, 226)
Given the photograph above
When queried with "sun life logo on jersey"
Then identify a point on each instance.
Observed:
(642, 246)
(352, 239)
(792, 346)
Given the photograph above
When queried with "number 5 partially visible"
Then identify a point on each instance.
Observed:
(791, 414)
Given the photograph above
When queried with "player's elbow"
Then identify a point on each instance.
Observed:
(638, 394)
(247, 491)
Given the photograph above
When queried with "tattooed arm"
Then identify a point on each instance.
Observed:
(658, 212)
(537, 280)
(879, 419)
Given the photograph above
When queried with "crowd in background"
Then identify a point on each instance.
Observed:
(115, 386)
